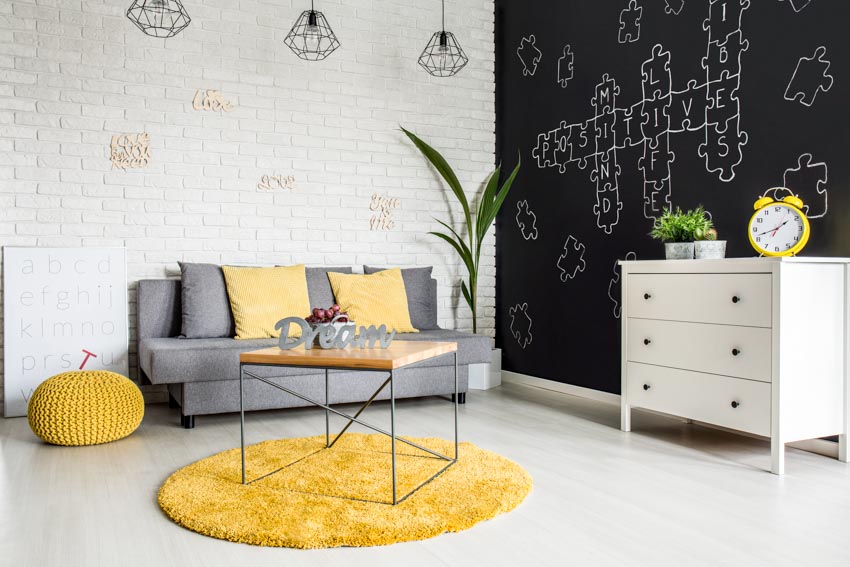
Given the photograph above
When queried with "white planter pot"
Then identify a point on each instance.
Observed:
(679, 250)
(710, 249)
(486, 376)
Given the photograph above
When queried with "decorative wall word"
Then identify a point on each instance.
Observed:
(711, 106)
(62, 306)
(331, 336)
(383, 219)
(275, 182)
(211, 100)
(130, 150)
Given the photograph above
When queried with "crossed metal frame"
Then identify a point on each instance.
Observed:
(351, 419)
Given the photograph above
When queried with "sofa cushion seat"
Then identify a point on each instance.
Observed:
(176, 360)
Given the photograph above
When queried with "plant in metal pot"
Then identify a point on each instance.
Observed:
(709, 247)
(478, 217)
(678, 230)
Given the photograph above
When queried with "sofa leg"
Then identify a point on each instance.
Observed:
(187, 421)
(461, 398)
(172, 403)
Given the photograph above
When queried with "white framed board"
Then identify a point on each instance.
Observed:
(64, 309)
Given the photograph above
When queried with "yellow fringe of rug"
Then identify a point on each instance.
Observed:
(300, 494)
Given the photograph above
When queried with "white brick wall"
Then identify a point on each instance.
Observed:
(75, 72)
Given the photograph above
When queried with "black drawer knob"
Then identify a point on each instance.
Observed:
(735, 405)
(646, 341)
(646, 386)
(735, 352)
(735, 299)
(647, 296)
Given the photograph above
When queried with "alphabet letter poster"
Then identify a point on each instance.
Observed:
(64, 309)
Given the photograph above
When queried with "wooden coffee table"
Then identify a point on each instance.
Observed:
(400, 354)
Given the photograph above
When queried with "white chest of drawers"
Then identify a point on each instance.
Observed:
(758, 345)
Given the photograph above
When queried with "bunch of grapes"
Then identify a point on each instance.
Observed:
(326, 315)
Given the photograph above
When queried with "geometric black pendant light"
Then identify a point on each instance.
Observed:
(443, 56)
(311, 37)
(159, 18)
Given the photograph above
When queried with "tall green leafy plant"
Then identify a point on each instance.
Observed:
(476, 222)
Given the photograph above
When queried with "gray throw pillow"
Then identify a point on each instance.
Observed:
(319, 286)
(421, 292)
(205, 305)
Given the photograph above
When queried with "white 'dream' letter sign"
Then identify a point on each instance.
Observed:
(332, 337)
(64, 309)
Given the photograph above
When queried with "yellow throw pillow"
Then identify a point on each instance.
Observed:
(374, 299)
(260, 297)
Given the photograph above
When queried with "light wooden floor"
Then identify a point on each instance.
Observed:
(666, 494)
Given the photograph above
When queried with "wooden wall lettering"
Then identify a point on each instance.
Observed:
(383, 218)
(276, 182)
(130, 150)
(211, 100)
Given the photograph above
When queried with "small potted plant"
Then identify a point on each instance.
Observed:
(678, 230)
(707, 247)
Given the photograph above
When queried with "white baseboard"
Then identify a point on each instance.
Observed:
(551, 385)
(819, 446)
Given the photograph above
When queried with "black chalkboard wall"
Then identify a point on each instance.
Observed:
(618, 107)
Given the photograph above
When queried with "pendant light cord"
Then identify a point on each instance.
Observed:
(444, 15)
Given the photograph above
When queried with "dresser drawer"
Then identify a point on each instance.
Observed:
(703, 397)
(743, 352)
(728, 299)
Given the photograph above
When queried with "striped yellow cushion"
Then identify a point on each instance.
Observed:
(374, 299)
(260, 297)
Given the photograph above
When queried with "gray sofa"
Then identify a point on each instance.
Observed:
(202, 375)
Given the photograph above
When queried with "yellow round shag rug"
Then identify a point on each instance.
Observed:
(300, 494)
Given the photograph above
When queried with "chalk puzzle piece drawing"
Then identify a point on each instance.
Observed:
(723, 104)
(529, 55)
(808, 181)
(724, 18)
(674, 6)
(544, 151)
(656, 198)
(614, 284)
(725, 57)
(521, 324)
(687, 108)
(627, 126)
(809, 78)
(723, 148)
(798, 5)
(526, 220)
(565, 66)
(630, 23)
(571, 262)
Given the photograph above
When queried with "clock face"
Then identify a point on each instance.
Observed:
(778, 230)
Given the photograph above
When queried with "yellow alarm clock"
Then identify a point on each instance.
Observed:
(779, 228)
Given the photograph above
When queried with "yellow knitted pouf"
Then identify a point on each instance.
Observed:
(85, 407)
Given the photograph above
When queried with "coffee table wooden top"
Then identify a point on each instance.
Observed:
(399, 354)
